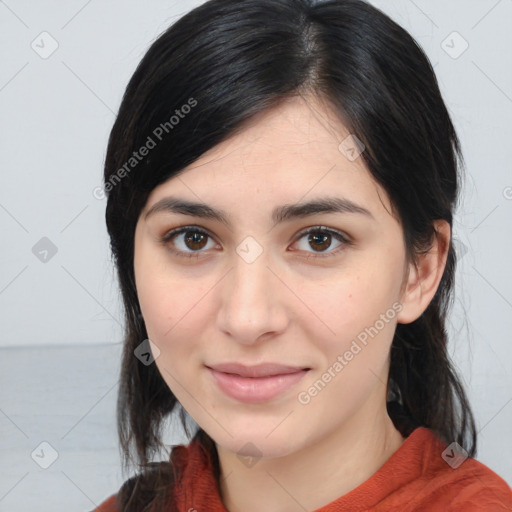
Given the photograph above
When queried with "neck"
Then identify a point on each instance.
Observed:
(331, 468)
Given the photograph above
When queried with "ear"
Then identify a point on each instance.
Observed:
(423, 278)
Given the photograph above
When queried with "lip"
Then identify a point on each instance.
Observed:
(253, 384)
(259, 370)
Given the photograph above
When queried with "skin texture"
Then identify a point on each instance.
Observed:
(291, 306)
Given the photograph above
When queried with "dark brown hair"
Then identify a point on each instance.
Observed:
(232, 59)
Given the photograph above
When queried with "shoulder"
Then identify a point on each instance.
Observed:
(458, 484)
(156, 477)
(473, 487)
(146, 485)
(109, 505)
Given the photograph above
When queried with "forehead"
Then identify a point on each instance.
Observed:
(297, 127)
(284, 155)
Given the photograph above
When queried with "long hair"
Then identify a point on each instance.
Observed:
(200, 80)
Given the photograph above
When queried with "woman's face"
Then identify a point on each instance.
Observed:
(253, 288)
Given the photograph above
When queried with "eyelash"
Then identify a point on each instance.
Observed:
(169, 236)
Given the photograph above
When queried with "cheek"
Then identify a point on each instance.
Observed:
(174, 307)
(166, 308)
(172, 323)
(344, 309)
(156, 302)
(163, 295)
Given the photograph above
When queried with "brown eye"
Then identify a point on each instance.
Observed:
(194, 240)
(188, 241)
(320, 239)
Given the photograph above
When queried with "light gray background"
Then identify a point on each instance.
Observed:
(61, 319)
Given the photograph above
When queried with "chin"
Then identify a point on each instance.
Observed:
(258, 443)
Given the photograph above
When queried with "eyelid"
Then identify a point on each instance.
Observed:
(341, 236)
(319, 228)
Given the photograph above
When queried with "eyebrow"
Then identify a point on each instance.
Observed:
(280, 214)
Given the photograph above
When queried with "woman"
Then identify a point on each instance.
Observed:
(281, 181)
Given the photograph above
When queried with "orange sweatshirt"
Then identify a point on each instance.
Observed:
(416, 478)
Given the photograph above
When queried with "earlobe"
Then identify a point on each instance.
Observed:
(423, 278)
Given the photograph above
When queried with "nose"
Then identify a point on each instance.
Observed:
(254, 301)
